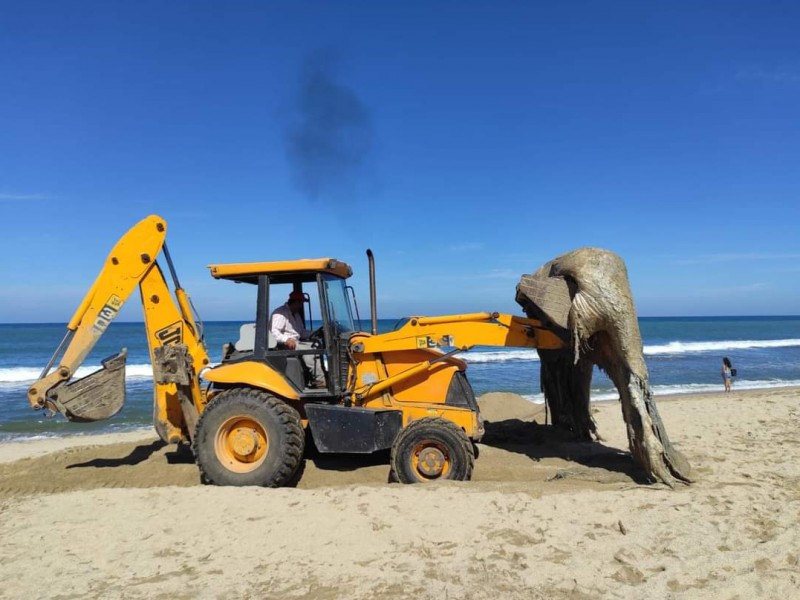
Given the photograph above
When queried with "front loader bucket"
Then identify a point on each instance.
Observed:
(95, 397)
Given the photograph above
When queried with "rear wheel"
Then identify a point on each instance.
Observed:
(248, 437)
(432, 449)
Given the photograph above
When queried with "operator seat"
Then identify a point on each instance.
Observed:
(291, 366)
(247, 339)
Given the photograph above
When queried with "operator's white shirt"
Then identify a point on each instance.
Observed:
(285, 325)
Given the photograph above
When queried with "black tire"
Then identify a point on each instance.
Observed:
(248, 437)
(432, 449)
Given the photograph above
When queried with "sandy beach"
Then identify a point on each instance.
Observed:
(544, 517)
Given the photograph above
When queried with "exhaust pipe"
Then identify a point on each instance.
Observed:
(373, 308)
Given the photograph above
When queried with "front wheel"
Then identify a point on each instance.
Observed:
(248, 437)
(432, 449)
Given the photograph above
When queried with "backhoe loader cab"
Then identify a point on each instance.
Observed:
(247, 418)
(322, 282)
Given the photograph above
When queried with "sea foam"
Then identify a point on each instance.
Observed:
(691, 347)
(675, 347)
(27, 375)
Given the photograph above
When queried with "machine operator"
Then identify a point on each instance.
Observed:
(288, 327)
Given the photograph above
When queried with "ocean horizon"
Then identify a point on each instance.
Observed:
(683, 355)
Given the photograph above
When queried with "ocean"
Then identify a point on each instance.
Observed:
(683, 355)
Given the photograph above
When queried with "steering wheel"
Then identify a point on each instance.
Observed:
(317, 338)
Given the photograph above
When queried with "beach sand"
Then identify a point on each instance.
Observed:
(544, 517)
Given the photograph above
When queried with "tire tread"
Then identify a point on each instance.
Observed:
(289, 421)
(435, 423)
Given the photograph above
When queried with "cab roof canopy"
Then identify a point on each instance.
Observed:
(288, 271)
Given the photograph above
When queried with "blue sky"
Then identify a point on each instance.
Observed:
(465, 143)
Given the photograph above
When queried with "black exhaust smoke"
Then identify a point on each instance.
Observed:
(330, 135)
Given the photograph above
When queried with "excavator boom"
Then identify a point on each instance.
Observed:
(130, 264)
(464, 331)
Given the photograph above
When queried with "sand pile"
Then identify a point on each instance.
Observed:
(502, 406)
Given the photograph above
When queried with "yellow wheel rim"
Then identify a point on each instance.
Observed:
(241, 444)
(431, 460)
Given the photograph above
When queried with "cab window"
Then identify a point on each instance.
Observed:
(338, 305)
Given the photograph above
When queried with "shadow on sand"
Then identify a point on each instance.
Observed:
(546, 441)
(527, 438)
(138, 455)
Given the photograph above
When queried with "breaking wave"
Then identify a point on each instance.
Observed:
(691, 347)
(18, 376)
(650, 350)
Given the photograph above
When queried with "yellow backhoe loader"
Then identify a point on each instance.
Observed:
(247, 418)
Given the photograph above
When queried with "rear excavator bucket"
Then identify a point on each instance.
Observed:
(95, 397)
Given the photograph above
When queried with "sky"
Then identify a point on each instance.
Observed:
(465, 143)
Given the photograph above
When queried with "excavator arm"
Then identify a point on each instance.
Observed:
(130, 264)
(459, 332)
(464, 332)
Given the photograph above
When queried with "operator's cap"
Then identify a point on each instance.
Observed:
(297, 296)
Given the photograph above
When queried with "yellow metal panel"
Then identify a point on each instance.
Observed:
(165, 325)
(428, 386)
(417, 388)
(325, 265)
(252, 373)
(464, 418)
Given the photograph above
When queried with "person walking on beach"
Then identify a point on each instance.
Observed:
(727, 373)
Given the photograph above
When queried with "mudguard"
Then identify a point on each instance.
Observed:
(252, 373)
